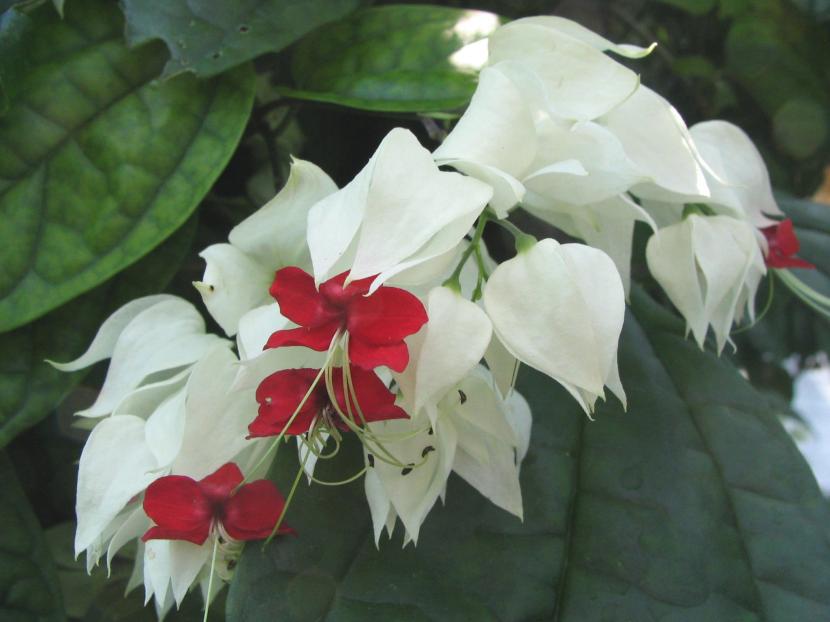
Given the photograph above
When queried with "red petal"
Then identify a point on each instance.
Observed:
(280, 394)
(179, 507)
(317, 337)
(780, 261)
(385, 317)
(785, 238)
(376, 402)
(220, 484)
(253, 511)
(299, 299)
(369, 356)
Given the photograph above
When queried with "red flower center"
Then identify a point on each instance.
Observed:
(186, 509)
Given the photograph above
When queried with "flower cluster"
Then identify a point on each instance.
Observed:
(374, 311)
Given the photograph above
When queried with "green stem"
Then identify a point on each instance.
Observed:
(524, 241)
(212, 572)
(454, 282)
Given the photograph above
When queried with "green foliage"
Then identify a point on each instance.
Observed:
(696, 7)
(14, 28)
(29, 386)
(392, 59)
(98, 161)
(693, 505)
(28, 583)
(208, 37)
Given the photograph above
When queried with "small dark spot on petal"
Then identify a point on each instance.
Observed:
(462, 395)
(407, 470)
(426, 450)
(431, 431)
(370, 459)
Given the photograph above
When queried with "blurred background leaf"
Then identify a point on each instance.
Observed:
(28, 581)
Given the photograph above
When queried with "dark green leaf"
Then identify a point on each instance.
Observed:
(28, 583)
(14, 28)
(694, 505)
(208, 37)
(695, 7)
(394, 59)
(29, 387)
(98, 162)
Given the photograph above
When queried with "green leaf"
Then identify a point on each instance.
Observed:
(29, 589)
(695, 7)
(29, 387)
(14, 28)
(693, 505)
(98, 161)
(208, 37)
(393, 59)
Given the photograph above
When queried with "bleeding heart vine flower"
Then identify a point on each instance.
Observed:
(183, 508)
(376, 323)
(560, 308)
(783, 245)
(292, 401)
(710, 268)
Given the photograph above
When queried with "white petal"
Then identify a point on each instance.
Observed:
(671, 260)
(445, 350)
(217, 419)
(495, 139)
(655, 138)
(256, 326)
(275, 234)
(497, 479)
(578, 31)
(560, 309)
(232, 285)
(409, 202)
(502, 364)
(735, 160)
(607, 170)
(115, 465)
(253, 371)
(168, 335)
(174, 563)
(164, 429)
(143, 401)
(136, 524)
(103, 344)
(413, 495)
(579, 81)
(521, 420)
(483, 409)
(379, 505)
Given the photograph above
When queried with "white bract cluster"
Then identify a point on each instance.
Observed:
(556, 126)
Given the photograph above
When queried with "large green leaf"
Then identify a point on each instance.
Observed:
(98, 161)
(14, 28)
(29, 387)
(29, 589)
(208, 37)
(394, 59)
(694, 505)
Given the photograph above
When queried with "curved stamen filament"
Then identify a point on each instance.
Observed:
(274, 447)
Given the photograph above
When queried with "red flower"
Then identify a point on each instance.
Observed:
(280, 394)
(184, 509)
(783, 245)
(377, 324)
